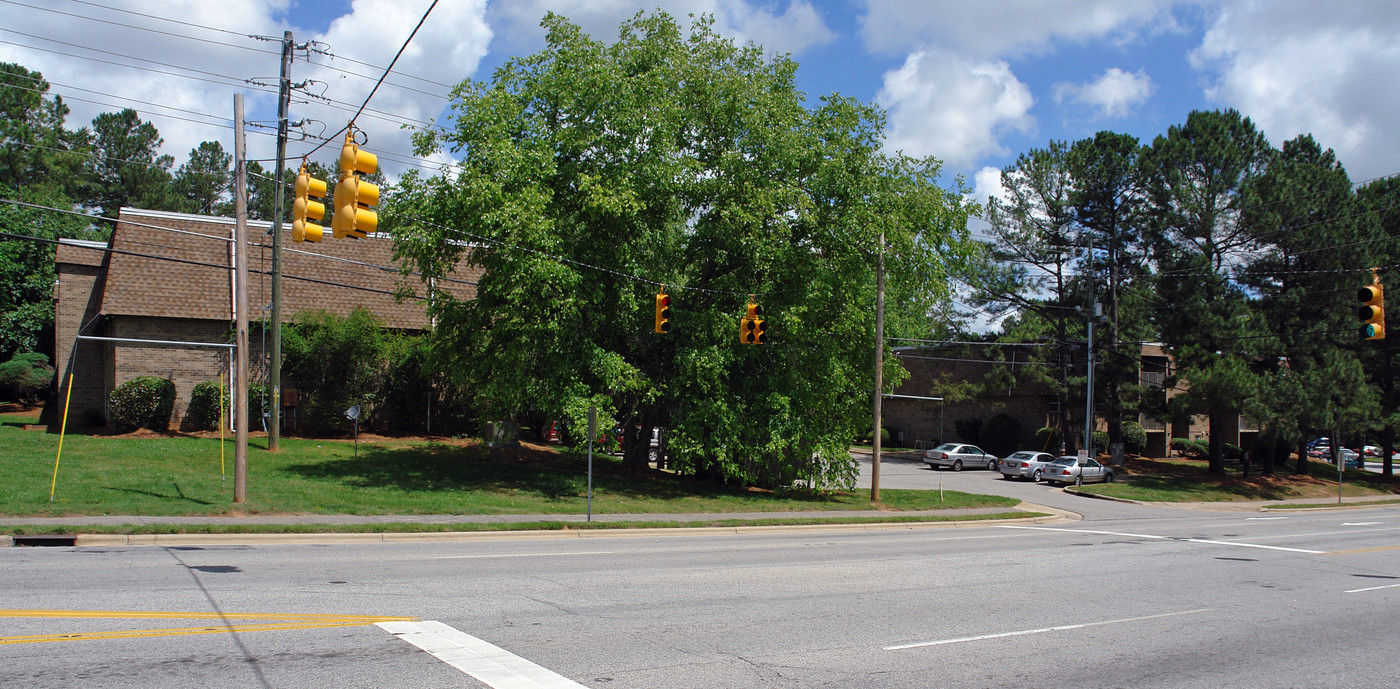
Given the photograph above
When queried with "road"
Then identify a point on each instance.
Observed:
(1129, 596)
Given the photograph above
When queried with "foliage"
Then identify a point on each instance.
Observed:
(1134, 438)
(1100, 441)
(25, 377)
(1195, 449)
(1047, 439)
(27, 267)
(207, 405)
(336, 363)
(1001, 435)
(143, 402)
(968, 430)
(592, 174)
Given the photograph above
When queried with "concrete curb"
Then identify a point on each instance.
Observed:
(109, 540)
(1109, 498)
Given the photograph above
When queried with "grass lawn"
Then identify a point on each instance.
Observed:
(146, 473)
(1185, 480)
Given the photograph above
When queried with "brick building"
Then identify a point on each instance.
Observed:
(158, 300)
(923, 423)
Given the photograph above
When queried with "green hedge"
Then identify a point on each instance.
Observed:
(1134, 438)
(145, 402)
(25, 377)
(1048, 440)
(1195, 449)
(206, 405)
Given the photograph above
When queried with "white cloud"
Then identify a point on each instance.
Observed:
(987, 185)
(1001, 28)
(1298, 67)
(1113, 95)
(795, 29)
(953, 107)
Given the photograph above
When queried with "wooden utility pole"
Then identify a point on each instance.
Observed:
(240, 304)
(274, 373)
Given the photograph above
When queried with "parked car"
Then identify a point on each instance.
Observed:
(1076, 470)
(957, 456)
(1025, 464)
(1371, 451)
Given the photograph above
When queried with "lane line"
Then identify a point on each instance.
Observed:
(504, 555)
(1043, 630)
(1378, 549)
(287, 622)
(1256, 545)
(1359, 523)
(491, 665)
(1373, 588)
(184, 631)
(1169, 538)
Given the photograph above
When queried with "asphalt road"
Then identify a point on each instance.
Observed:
(1130, 596)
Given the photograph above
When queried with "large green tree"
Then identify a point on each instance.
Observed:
(595, 175)
(127, 168)
(204, 183)
(1195, 175)
(36, 151)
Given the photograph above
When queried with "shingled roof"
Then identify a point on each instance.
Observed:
(176, 265)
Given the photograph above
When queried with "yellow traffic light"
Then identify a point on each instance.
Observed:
(751, 329)
(303, 208)
(663, 311)
(354, 196)
(1372, 312)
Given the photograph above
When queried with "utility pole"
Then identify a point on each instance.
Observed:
(879, 368)
(1089, 385)
(240, 304)
(274, 374)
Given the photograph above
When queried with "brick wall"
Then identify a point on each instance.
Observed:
(77, 295)
(185, 365)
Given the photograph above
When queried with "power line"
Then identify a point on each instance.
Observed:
(138, 28)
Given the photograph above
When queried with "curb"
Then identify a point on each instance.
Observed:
(97, 540)
(1109, 498)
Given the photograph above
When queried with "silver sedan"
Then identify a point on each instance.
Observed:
(958, 455)
(1078, 471)
(1026, 464)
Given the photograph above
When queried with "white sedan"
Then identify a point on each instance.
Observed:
(1026, 464)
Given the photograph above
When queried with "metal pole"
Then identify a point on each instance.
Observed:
(274, 373)
(879, 367)
(1089, 392)
(240, 304)
(592, 431)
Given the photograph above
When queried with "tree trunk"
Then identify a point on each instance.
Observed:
(1302, 466)
(1217, 444)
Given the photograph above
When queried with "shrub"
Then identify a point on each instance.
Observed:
(1134, 438)
(25, 377)
(1233, 451)
(144, 402)
(1001, 435)
(1100, 441)
(1195, 449)
(969, 430)
(206, 404)
(1047, 439)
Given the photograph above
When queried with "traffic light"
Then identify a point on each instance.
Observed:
(354, 196)
(751, 327)
(663, 311)
(303, 207)
(1372, 313)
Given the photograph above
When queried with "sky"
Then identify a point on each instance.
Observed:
(973, 84)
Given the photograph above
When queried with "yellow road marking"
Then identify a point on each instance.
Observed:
(287, 622)
(1365, 550)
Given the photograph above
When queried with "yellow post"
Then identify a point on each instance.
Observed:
(63, 428)
(222, 477)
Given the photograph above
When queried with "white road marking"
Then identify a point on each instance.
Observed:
(492, 665)
(1359, 523)
(1166, 538)
(1373, 588)
(1023, 632)
(476, 557)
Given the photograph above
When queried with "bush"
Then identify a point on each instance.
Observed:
(1047, 439)
(25, 377)
(145, 402)
(1100, 441)
(1001, 435)
(969, 430)
(1195, 449)
(1134, 438)
(206, 405)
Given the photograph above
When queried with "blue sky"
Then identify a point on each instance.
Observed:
(973, 84)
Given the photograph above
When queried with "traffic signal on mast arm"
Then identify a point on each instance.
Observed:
(751, 327)
(303, 207)
(1372, 313)
(663, 311)
(354, 196)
